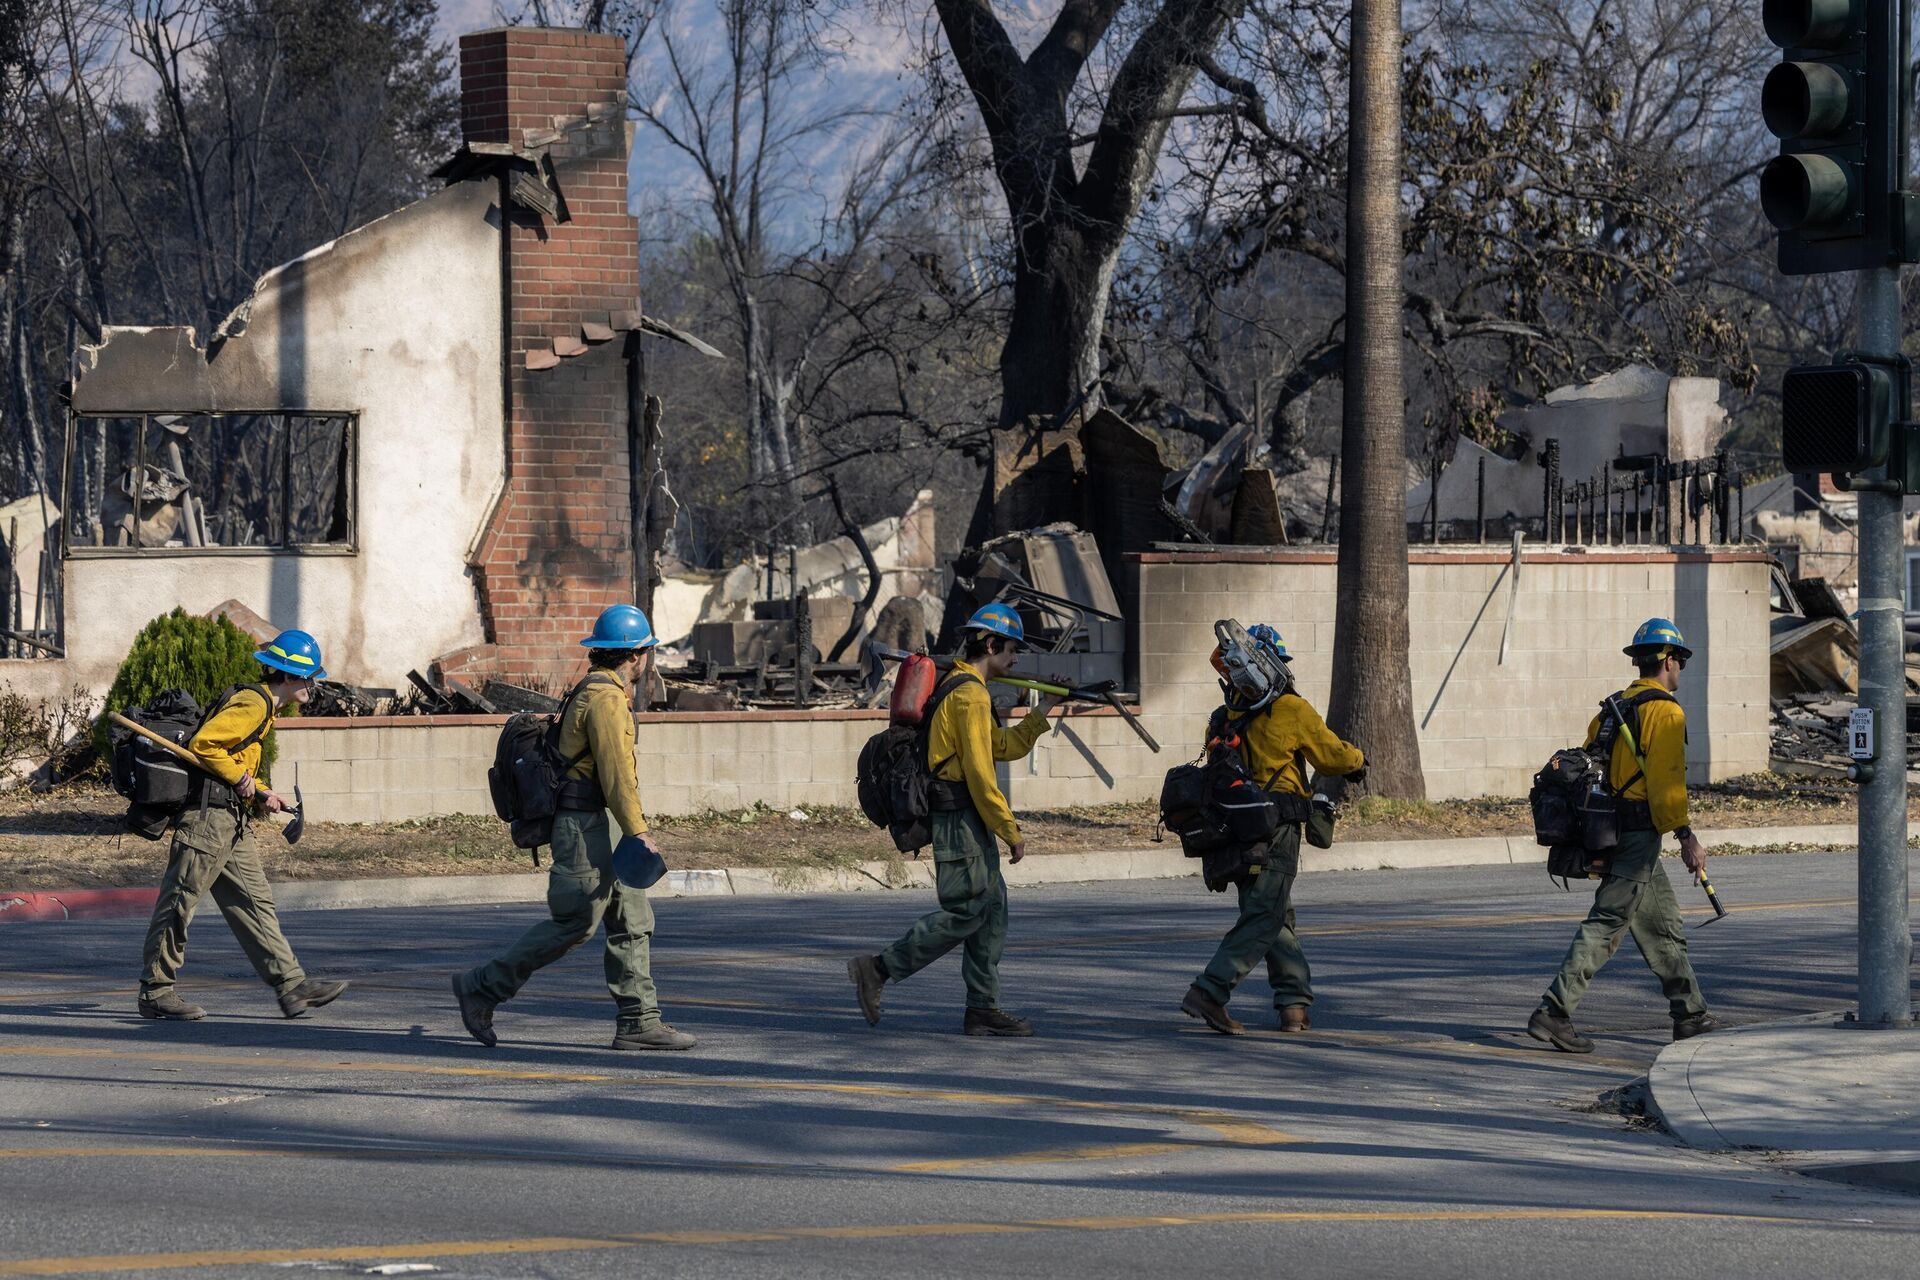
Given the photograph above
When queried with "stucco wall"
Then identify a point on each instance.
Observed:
(398, 321)
(1485, 727)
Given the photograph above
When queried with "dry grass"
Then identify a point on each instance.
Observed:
(72, 838)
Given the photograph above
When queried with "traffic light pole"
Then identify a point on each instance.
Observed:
(1886, 942)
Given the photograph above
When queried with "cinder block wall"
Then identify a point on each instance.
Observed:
(1485, 725)
(556, 552)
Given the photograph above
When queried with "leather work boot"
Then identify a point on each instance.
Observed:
(994, 1022)
(1294, 1018)
(1698, 1024)
(657, 1036)
(1557, 1031)
(169, 1007)
(310, 994)
(476, 1012)
(1198, 1004)
(867, 981)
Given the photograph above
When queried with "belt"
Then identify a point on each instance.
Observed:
(1634, 815)
(581, 793)
(947, 797)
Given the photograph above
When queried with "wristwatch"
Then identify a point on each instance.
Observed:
(1683, 833)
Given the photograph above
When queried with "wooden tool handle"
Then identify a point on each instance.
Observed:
(155, 738)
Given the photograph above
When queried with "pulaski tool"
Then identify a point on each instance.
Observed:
(292, 831)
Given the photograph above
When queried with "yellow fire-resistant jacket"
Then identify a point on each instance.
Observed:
(216, 744)
(1287, 733)
(963, 743)
(1663, 741)
(600, 721)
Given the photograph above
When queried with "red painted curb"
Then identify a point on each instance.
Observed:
(76, 904)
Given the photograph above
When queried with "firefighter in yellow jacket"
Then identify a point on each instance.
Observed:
(969, 812)
(213, 848)
(1280, 734)
(583, 891)
(1648, 772)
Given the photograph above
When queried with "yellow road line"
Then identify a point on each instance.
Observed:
(1236, 1129)
(103, 1263)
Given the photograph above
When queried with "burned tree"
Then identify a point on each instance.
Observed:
(1069, 217)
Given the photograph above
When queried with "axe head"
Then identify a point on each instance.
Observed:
(294, 829)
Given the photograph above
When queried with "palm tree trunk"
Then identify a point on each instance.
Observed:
(1372, 703)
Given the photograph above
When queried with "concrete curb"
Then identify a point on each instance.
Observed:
(1154, 863)
(1832, 1099)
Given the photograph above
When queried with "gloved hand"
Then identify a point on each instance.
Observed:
(636, 863)
(1358, 775)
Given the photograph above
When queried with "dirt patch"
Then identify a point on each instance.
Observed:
(71, 837)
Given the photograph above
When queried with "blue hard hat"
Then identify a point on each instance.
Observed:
(621, 627)
(636, 863)
(1655, 637)
(998, 620)
(294, 652)
(1269, 639)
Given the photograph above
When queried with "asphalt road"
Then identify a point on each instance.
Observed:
(1415, 1131)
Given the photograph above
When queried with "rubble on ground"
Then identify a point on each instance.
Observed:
(1814, 677)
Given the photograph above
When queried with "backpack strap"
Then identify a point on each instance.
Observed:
(1227, 722)
(945, 687)
(220, 704)
(560, 718)
(1625, 718)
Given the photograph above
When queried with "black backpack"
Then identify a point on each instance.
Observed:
(157, 783)
(529, 771)
(1221, 812)
(1575, 806)
(893, 778)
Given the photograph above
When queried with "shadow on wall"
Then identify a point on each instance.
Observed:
(1693, 614)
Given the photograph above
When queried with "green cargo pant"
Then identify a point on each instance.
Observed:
(213, 851)
(973, 910)
(581, 893)
(1265, 931)
(1635, 898)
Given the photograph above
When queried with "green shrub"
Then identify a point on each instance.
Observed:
(204, 656)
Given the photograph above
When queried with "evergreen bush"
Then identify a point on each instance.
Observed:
(204, 656)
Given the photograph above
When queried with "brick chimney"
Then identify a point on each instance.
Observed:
(556, 551)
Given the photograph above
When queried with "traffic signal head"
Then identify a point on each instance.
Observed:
(1834, 192)
(1836, 418)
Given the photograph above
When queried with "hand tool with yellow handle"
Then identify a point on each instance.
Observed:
(1718, 911)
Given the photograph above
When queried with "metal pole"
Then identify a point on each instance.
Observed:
(1886, 943)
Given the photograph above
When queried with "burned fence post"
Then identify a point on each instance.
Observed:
(1433, 500)
(1480, 504)
(802, 648)
(1550, 522)
(1606, 502)
(1326, 509)
(1723, 497)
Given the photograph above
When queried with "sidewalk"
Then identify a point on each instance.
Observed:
(1837, 1101)
(1154, 862)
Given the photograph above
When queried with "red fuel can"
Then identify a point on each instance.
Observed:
(912, 686)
